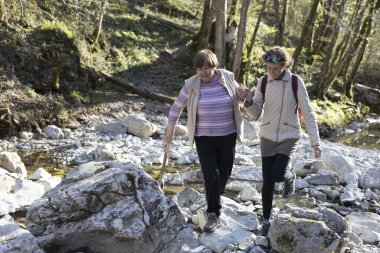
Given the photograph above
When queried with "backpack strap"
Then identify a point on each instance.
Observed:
(264, 85)
(295, 89)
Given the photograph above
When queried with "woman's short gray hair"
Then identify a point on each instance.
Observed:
(204, 58)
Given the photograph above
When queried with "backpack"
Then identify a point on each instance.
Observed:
(294, 88)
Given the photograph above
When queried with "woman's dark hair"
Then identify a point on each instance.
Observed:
(286, 59)
(204, 58)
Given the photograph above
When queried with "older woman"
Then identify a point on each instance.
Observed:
(214, 122)
(279, 94)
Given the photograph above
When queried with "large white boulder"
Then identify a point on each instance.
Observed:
(104, 206)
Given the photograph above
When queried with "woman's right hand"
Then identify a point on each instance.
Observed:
(168, 137)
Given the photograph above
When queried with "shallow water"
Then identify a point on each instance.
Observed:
(34, 159)
(366, 139)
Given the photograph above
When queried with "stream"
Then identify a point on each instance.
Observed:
(369, 138)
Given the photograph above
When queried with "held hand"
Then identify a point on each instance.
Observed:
(243, 93)
(317, 151)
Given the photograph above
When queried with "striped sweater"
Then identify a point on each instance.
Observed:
(215, 112)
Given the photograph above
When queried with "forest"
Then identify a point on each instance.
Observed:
(67, 48)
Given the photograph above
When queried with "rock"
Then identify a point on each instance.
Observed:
(25, 135)
(54, 132)
(371, 178)
(342, 165)
(138, 126)
(351, 194)
(251, 130)
(367, 95)
(221, 239)
(250, 194)
(103, 206)
(113, 128)
(15, 239)
(303, 168)
(289, 234)
(366, 225)
(324, 178)
(40, 173)
(11, 162)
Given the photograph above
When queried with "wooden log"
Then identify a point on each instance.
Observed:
(161, 20)
(132, 88)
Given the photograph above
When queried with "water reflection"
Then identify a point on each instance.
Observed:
(368, 138)
(34, 159)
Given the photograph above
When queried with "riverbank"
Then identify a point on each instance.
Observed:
(346, 182)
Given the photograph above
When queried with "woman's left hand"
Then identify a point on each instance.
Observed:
(243, 93)
(317, 151)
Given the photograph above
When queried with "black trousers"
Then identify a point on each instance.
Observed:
(216, 155)
(274, 169)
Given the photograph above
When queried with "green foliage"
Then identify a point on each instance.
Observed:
(31, 92)
(337, 113)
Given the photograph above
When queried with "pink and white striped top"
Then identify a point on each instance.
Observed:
(215, 113)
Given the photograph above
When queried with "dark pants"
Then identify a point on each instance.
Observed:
(216, 155)
(274, 169)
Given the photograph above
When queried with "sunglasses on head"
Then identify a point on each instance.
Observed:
(272, 58)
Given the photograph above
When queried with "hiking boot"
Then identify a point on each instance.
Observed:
(289, 186)
(264, 229)
(212, 223)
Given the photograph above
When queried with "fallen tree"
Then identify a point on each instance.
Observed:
(132, 88)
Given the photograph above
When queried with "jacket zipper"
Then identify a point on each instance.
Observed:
(282, 103)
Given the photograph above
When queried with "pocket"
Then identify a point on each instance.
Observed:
(286, 124)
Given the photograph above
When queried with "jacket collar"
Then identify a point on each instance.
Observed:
(287, 76)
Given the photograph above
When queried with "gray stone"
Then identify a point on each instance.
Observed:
(104, 207)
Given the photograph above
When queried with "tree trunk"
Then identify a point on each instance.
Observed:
(232, 12)
(220, 32)
(281, 25)
(323, 29)
(342, 46)
(307, 29)
(98, 28)
(204, 32)
(345, 52)
(132, 88)
(2, 10)
(322, 86)
(277, 18)
(253, 38)
(241, 37)
(367, 27)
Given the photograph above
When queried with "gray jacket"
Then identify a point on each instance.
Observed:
(280, 121)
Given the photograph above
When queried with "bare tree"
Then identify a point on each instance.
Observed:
(253, 38)
(207, 18)
(281, 25)
(307, 29)
(98, 28)
(2, 10)
(324, 27)
(241, 37)
(232, 7)
(220, 31)
(367, 28)
(321, 87)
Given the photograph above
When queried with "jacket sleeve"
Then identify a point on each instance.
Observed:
(307, 113)
(258, 101)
